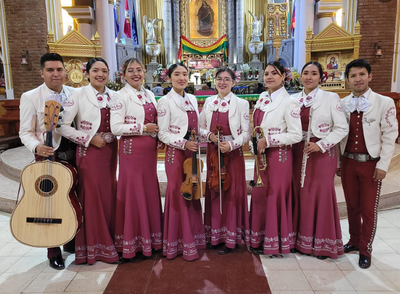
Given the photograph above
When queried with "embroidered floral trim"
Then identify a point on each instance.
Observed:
(173, 129)
(85, 125)
(390, 113)
(69, 103)
(81, 140)
(161, 111)
(326, 146)
(224, 235)
(139, 242)
(180, 144)
(324, 127)
(318, 244)
(274, 131)
(339, 107)
(295, 112)
(273, 142)
(246, 116)
(180, 247)
(135, 130)
(130, 119)
(116, 106)
(95, 252)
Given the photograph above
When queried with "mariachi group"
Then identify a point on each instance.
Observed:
(300, 142)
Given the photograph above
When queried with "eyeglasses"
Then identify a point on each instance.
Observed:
(135, 71)
(227, 80)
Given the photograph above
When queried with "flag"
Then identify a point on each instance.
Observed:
(293, 25)
(116, 22)
(127, 25)
(134, 28)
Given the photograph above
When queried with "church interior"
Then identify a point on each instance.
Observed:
(205, 35)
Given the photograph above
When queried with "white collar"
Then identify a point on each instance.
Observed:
(106, 91)
(227, 98)
(275, 94)
(365, 95)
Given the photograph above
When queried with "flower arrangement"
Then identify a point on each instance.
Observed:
(294, 82)
(118, 83)
(161, 73)
(210, 75)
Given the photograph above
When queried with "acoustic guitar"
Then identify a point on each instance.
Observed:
(45, 216)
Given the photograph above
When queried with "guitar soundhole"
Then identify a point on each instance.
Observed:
(46, 185)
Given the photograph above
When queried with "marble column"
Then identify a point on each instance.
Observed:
(304, 9)
(176, 30)
(168, 27)
(349, 15)
(239, 32)
(105, 28)
(324, 19)
(231, 33)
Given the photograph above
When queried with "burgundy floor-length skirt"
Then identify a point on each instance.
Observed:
(232, 226)
(271, 205)
(183, 224)
(316, 216)
(139, 213)
(97, 189)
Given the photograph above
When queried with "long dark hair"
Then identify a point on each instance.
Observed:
(90, 63)
(317, 64)
(278, 66)
(172, 68)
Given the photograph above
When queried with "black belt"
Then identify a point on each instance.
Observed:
(360, 157)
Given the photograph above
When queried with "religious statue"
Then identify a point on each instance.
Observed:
(149, 26)
(257, 26)
(206, 19)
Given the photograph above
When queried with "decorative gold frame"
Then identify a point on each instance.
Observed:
(185, 23)
(74, 44)
(333, 40)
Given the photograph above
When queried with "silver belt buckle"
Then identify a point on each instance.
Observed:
(108, 137)
(362, 157)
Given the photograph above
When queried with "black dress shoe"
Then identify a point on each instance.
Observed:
(348, 248)
(57, 262)
(226, 250)
(322, 257)
(258, 251)
(364, 261)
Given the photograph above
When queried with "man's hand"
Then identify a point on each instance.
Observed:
(261, 145)
(213, 138)
(44, 151)
(151, 128)
(98, 141)
(379, 174)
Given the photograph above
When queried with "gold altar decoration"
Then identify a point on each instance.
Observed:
(74, 44)
(75, 73)
(333, 48)
(203, 22)
(75, 50)
(276, 25)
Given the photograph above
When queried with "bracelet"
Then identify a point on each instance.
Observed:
(144, 128)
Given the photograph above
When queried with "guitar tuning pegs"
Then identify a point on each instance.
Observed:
(58, 126)
(62, 108)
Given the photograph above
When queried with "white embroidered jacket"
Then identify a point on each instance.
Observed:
(172, 119)
(32, 107)
(281, 122)
(328, 122)
(84, 110)
(380, 128)
(127, 112)
(239, 122)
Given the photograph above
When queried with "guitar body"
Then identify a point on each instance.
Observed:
(45, 215)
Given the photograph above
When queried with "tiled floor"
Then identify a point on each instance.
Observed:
(25, 270)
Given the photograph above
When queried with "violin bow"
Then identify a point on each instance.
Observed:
(219, 174)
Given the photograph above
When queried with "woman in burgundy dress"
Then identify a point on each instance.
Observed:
(271, 205)
(316, 217)
(227, 225)
(138, 212)
(96, 161)
(177, 117)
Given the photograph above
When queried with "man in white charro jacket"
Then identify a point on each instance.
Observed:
(366, 154)
(32, 129)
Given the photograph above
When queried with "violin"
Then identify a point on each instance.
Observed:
(220, 179)
(192, 187)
